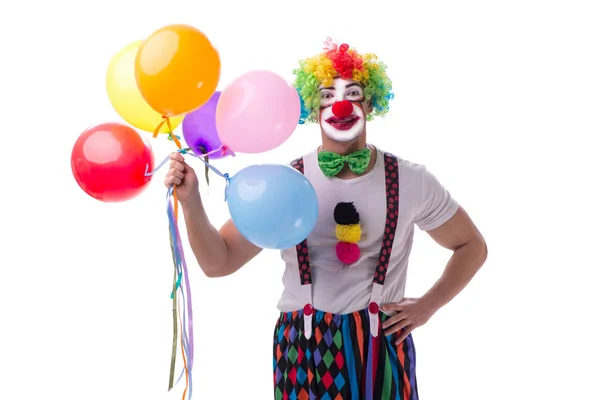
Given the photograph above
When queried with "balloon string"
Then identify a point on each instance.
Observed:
(183, 353)
(224, 150)
(174, 138)
(157, 130)
(215, 170)
(179, 299)
(175, 203)
(185, 345)
(184, 270)
(177, 275)
(185, 322)
(187, 329)
(206, 169)
(174, 310)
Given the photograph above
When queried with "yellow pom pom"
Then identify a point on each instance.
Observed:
(348, 233)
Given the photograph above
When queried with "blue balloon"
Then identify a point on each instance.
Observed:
(273, 206)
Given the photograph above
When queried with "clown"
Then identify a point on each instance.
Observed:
(345, 327)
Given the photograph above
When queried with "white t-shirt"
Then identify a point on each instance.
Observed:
(340, 288)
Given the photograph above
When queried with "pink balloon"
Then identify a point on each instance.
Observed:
(257, 112)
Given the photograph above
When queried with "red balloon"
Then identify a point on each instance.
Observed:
(109, 162)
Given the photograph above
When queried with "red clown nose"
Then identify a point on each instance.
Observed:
(342, 109)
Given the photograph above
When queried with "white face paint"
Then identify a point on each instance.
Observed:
(347, 128)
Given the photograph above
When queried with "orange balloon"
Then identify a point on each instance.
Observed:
(177, 70)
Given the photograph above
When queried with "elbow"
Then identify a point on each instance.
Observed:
(476, 251)
(483, 251)
(216, 271)
(212, 267)
(212, 272)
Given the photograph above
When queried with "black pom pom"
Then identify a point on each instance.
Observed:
(345, 214)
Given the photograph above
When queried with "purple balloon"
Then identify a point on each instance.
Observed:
(200, 128)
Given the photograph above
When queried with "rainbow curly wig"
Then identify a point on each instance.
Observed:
(346, 63)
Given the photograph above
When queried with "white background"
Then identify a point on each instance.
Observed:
(499, 99)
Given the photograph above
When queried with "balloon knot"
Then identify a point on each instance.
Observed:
(226, 176)
(183, 151)
(171, 137)
(226, 151)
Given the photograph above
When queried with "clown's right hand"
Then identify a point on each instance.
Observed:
(184, 177)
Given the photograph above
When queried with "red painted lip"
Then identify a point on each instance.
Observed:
(342, 124)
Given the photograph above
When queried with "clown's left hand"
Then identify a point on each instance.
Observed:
(410, 314)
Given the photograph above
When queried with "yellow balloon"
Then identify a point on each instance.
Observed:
(125, 96)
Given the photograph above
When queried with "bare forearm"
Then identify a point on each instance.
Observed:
(205, 240)
(461, 268)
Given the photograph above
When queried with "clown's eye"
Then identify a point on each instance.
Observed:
(326, 96)
(354, 93)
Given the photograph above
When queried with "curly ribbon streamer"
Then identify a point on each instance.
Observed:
(182, 297)
(172, 137)
(206, 169)
(180, 270)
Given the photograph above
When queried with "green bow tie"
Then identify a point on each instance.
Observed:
(332, 163)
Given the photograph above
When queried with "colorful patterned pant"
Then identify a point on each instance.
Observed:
(335, 362)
